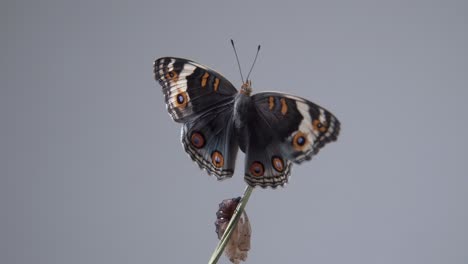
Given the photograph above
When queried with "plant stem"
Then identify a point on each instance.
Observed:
(231, 225)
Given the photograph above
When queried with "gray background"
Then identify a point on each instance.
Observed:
(92, 170)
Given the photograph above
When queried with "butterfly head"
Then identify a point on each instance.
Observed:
(246, 88)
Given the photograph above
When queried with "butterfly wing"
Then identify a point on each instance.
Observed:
(190, 88)
(210, 141)
(285, 129)
(203, 100)
(265, 163)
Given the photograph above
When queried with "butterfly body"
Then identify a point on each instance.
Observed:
(273, 129)
(242, 107)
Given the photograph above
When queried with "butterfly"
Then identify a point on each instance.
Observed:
(273, 129)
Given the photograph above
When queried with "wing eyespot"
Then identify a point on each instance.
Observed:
(181, 99)
(299, 140)
(278, 163)
(319, 126)
(257, 169)
(217, 159)
(197, 140)
(172, 75)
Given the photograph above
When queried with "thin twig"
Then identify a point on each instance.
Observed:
(231, 225)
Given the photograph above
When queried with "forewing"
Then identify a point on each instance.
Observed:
(190, 88)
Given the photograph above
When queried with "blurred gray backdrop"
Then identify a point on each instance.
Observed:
(92, 170)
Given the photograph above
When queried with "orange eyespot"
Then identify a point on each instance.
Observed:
(217, 159)
(197, 140)
(319, 126)
(277, 163)
(299, 140)
(257, 169)
(181, 99)
(172, 75)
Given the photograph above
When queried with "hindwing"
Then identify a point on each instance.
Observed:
(210, 141)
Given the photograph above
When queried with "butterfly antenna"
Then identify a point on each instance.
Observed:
(251, 68)
(237, 58)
